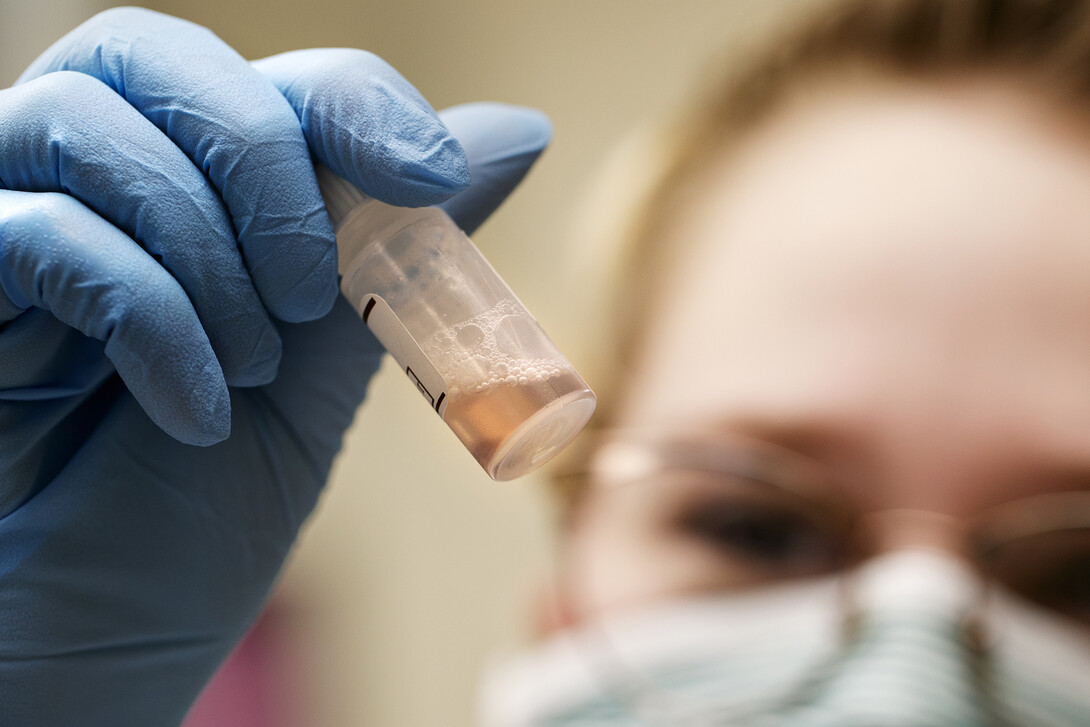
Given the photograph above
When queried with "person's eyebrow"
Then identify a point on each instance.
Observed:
(843, 450)
(814, 437)
(1041, 479)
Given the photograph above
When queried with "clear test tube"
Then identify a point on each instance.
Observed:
(439, 308)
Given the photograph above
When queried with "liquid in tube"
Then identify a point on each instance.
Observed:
(506, 377)
(455, 327)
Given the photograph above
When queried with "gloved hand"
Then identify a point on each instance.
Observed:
(168, 278)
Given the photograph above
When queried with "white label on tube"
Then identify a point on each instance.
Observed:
(395, 338)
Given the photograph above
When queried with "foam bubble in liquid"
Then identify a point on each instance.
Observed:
(502, 345)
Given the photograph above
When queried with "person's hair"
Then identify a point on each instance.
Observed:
(1042, 45)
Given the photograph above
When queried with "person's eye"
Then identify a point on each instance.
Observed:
(1059, 583)
(1067, 588)
(1051, 569)
(764, 536)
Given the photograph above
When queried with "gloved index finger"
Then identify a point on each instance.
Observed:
(368, 124)
(235, 126)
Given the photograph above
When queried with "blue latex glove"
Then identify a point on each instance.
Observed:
(161, 241)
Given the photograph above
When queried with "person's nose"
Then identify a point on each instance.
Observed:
(909, 656)
(888, 531)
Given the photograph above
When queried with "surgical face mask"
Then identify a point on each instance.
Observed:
(909, 639)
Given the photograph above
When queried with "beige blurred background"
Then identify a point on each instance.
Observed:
(417, 568)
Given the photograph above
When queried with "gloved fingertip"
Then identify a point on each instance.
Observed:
(501, 143)
(367, 123)
(530, 130)
(263, 363)
(442, 172)
(205, 420)
(537, 120)
(419, 172)
(180, 387)
(490, 131)
(208, 437)
(310, 299)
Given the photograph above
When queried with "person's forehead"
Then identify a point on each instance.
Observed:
(912, 257)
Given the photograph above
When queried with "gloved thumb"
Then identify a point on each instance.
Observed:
(501, 143)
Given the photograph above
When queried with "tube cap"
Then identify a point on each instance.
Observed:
(542, 436)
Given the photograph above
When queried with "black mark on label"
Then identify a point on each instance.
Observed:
(423, 389)
(439, 401)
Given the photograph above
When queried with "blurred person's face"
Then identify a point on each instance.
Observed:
(860, 418)
(892, 281)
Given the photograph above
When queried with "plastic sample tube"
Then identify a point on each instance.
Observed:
(479, 358)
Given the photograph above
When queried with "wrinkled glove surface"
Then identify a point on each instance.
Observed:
(176, 366)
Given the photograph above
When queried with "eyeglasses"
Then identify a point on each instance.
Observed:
(700, 515)
(755, 514)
